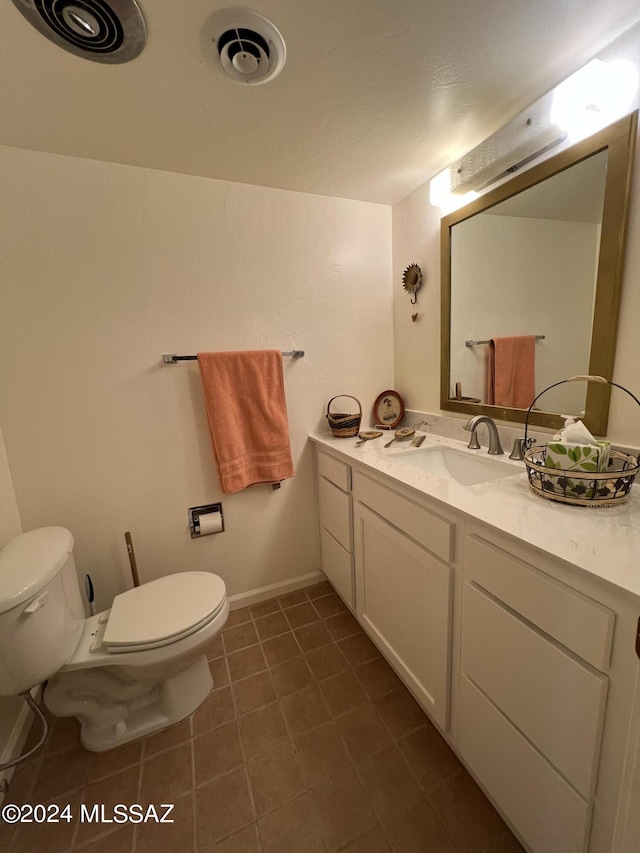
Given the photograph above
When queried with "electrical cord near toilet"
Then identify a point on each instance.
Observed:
(36, 710)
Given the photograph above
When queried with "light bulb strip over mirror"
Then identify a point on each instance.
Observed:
(616, 143)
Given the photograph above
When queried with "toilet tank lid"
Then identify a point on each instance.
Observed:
(28, 562)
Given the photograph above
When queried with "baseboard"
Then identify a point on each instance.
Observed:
(255, 596)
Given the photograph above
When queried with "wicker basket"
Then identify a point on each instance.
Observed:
(592, 489)
(344, 426)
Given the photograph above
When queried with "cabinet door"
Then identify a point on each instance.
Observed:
(403, 596)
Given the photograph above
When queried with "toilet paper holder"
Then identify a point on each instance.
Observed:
(204, 520)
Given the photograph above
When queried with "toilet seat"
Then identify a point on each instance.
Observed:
(162, 611)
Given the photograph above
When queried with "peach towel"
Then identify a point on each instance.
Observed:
(511, 371)
(247, 413)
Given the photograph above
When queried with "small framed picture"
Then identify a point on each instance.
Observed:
(388, 409)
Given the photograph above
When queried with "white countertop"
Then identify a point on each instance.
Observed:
(602, 541)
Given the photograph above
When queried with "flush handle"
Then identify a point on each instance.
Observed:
(37, 603)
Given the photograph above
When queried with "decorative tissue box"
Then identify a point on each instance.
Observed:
(578, 457)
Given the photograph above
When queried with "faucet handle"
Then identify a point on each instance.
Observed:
(520, 446)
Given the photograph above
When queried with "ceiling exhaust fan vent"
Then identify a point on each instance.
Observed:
(110, 32)
(243, 45)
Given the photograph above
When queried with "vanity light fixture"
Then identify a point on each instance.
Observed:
(595, 96)
(440, 194)
(526, 137)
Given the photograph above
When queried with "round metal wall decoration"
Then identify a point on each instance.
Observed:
(411, 281)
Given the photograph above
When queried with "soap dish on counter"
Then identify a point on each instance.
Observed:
(588, 488)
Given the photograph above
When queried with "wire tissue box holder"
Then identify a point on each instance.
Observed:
(581, 488)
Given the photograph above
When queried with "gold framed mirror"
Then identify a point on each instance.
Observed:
(542, 254)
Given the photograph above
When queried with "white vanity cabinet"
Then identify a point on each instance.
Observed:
(336, 524)
(404, 586)
(525, 661)
(532, 694)
(546, 686)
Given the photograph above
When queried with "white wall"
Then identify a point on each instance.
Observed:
(106, 268)
(416, 239)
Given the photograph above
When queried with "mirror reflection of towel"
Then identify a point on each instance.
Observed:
(511, 371)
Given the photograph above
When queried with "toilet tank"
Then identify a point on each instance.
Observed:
(41, 610)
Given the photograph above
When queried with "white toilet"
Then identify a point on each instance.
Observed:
(124, 673)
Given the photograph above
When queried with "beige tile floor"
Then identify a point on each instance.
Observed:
(308, 744)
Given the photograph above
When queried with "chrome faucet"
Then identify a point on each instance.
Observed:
(495, 448)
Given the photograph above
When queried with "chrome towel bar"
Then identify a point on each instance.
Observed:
(170, 358)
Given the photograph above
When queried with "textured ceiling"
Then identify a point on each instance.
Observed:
(376, 95)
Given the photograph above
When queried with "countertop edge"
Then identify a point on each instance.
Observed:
(602, 542)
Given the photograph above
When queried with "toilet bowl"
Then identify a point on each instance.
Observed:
(124, 673)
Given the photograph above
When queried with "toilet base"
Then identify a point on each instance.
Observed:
(114, 707)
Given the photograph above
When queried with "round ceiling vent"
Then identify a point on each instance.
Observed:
(243, 45)
(94, 29)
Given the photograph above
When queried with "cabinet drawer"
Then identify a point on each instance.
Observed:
(557, 702)
(335, 512)
(577, 622)
(337, 564)
(430, 530)
(335, 471)
(543, 808)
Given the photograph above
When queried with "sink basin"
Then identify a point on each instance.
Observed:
(458, 466)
